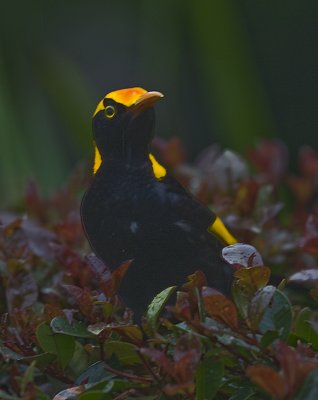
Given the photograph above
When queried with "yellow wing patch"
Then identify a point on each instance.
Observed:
(158, 170)
(219, 229)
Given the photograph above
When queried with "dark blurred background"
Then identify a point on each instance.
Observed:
(232, 72)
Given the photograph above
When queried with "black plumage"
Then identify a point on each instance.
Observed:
(130, 213)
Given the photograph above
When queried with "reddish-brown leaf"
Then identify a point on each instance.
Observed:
(111, 286)
(182, 308)
(159, 358)
(294, 366)
(196, 280)
(218, 306)
(268, 379)
(186, 356)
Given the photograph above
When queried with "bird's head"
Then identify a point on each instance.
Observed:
(123, 123)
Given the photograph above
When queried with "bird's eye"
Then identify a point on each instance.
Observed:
(110, 111)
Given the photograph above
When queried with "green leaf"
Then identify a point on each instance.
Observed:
(268, 338)
(259, 304)
(55, 343)
(303, 328)
(156, 307)
(94, 373)
(81, 359)
(41, 360)
(108, 386)
(126, 353)
(277, 316)
(309, 389)
(241, 299)
(77, 329)
(117, 385)
(95, 395)
(208, 378)
(28, 376)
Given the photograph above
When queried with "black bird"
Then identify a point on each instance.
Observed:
(135, 210)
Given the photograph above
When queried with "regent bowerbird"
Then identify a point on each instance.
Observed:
(134, 209)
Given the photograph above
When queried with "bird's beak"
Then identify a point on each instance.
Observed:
(146, 100)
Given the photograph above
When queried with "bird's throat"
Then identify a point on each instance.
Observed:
(158, 170)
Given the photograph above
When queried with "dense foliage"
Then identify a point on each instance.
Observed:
(64, 333)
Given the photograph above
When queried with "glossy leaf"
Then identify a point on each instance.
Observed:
(156, 307)
(131, 332)
(126, 353)
(306, 275)
(259, 304)
(94, 373)
(277, 316)
(242, 254)
(77, 329)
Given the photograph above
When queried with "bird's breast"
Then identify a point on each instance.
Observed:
(126, 217)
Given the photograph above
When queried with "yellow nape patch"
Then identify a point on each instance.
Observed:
(158, 170)
(127, 97)
(219, 229)
(97, 160)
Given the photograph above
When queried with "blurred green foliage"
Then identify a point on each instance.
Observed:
(230, 71)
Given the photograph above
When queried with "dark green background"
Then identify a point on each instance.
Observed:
(232, 72)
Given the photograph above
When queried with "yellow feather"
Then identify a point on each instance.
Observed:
(97, 160)
(219, 229)
(158, 170)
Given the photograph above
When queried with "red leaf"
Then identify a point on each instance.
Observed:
(196, 280)
(270, 380)
(218, 306)
(160, 358)
(186, 356)
(111, 287)
(182, 308)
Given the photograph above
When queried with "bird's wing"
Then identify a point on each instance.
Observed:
(187, 208)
